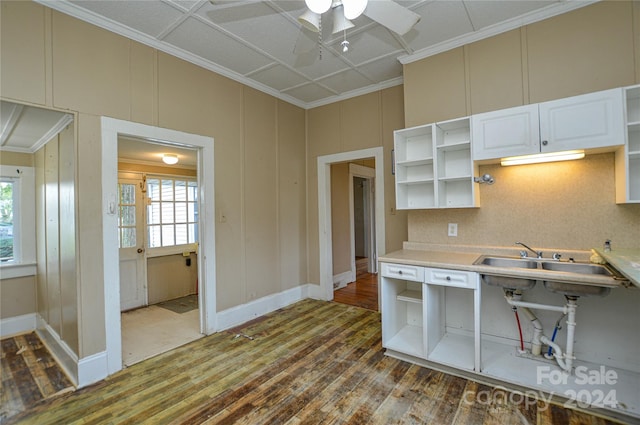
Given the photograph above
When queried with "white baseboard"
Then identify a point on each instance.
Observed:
(92, 369)
(238, 315)
(82, 372)
(17, 325)
(341, 280)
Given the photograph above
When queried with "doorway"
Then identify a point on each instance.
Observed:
(325, 215)
(112, 129)
(157, 236)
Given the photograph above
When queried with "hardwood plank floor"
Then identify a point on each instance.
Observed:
(29, 374)
(313, 362)
(361, 293)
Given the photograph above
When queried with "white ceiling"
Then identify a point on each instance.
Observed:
(253, 41)
(26, 128)
(139, 151)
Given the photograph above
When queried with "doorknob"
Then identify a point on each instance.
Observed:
(140, 250)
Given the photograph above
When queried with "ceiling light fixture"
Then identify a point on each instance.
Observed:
(318, 6)
(354, 8)
(542, 157)
(310, 20)
(340, 22)
(170, 158)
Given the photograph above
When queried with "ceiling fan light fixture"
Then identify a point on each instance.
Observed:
(318, 6)
(310, 20)
(354, 8)
(170, 158)
(340, 23)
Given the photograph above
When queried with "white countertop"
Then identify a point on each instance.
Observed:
(463, 257)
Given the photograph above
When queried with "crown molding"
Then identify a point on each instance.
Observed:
(490, 31)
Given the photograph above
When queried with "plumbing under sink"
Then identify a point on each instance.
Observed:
(568, 288)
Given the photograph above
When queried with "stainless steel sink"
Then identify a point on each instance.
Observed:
(581, 268)
(508, 282)
(576, 289)
(554, 284)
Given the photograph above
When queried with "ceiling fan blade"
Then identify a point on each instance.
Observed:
(391, 15)
(305, 42)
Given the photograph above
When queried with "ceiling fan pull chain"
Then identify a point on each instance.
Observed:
(320, 38)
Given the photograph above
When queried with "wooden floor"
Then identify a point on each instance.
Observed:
(313, 362)
(29, 375)
(361, 293)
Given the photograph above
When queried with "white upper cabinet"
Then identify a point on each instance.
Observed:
(433, 166)
(507, 132)
(593, 120)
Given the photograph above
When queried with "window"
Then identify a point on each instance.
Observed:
(17, 221)
(127, 215)
(172, 211)
(7, 202)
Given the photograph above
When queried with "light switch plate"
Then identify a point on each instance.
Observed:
(453, 229)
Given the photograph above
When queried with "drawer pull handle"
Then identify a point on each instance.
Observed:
(448, 277)
(400, 272)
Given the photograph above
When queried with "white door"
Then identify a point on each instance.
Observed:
(133, 270)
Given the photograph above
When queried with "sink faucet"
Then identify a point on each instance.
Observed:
(524, 254)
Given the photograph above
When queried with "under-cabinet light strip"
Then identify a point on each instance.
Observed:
(542, 157)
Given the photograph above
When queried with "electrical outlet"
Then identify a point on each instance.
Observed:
(453, 229)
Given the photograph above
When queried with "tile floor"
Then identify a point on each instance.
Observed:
(149, 331)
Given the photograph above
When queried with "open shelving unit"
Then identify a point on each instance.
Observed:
(434, 168)
(633, 143)
(403, 329)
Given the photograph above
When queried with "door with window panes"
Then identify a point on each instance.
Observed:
(133, 270)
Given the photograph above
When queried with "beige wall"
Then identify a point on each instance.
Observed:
(169, 277)
(340, 218)
(559, 205)
(57, 288)
(18, 296)
(359, 123)
(51, 59)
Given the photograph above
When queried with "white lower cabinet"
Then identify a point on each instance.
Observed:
(419, 316)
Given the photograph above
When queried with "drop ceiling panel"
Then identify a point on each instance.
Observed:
(310, 92)
(278, 77)
(485, 13)
(345, 81)
(150, 16)
(381, 70)
(374, 43)
(255, 24)
(211, 44)
(441, 21)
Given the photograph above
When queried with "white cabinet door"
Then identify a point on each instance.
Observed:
(592, 120)
(507, 132)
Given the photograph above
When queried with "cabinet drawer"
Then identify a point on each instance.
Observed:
(401, 271)
(457, 278)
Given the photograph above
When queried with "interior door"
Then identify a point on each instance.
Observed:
(133, 270)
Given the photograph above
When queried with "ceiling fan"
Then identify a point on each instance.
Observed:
(385, 12)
